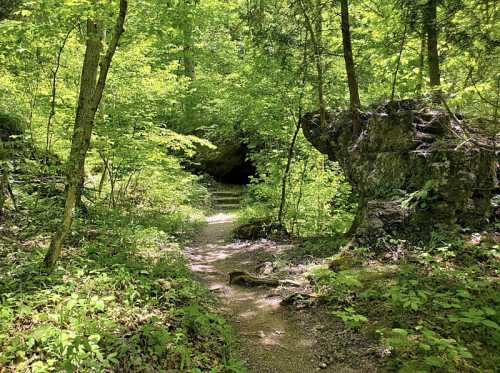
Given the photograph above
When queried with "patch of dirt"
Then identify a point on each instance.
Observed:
(273, 337)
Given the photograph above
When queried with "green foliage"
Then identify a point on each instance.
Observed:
(438, 309)
(443, 354)
(408, 295)
(421, 198)
(124, 297)
(350, 317)
(336, 288)
(317, 200)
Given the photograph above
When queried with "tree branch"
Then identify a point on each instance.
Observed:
(106, 62)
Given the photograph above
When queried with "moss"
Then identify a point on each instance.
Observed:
(402, 147)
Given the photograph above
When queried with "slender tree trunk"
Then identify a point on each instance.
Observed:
(4, 179)
(294, 137)
(88, 102)
(188, 52)
(79, 144)
(52, 112)
(189, 64)
(350, 68)
(432, 48)
(34, 96)
(102, 181)
(398, 63)
(299, 197)
(287, 170)
(79, 193)
(112, 188)
(103, 177)
(421, 64)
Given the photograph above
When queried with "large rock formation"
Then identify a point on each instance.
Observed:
(410, 169)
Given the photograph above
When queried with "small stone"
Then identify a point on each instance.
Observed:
(322, 365)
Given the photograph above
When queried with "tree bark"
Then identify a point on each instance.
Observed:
(88, 102)
(3, 190)
(187, 51)
(188, 60)
(430, 16)
(352, 82)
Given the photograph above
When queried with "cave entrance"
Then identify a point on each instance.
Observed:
(228, 164)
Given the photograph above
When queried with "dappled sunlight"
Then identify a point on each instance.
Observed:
(220, 218)
(265, 326)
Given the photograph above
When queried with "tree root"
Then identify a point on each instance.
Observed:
(246, 279)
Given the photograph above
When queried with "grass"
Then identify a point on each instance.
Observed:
(121, 299)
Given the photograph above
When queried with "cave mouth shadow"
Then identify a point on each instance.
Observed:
(238, 175)
(228, 164)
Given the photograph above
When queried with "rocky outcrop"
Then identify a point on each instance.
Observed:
(411, 168)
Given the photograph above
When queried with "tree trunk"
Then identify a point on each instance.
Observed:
(350, 69)
(421, 63)
(299, 197)
(187, 51)
(189, 64)
(88, 102)
(3, 190)
(294, 137)
(287, 170)
(398, 64)
(432, 47)
(103, 178)
(79, 145)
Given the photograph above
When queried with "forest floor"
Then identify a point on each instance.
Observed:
(273, 337)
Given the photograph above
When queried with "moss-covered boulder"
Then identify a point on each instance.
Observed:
(411, 171)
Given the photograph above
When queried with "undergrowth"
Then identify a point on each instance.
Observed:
(434, 308)
(121, 299)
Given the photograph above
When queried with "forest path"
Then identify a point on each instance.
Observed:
(272, 338)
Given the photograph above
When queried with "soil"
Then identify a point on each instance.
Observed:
(273, 337)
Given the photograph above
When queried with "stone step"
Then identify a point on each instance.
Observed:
(228, 198)
(226, 193)
(227, 206)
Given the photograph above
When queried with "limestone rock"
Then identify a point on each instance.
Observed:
(409, 170)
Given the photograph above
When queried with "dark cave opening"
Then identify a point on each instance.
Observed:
(228, 164)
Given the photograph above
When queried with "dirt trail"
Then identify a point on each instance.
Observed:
(273, 338)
